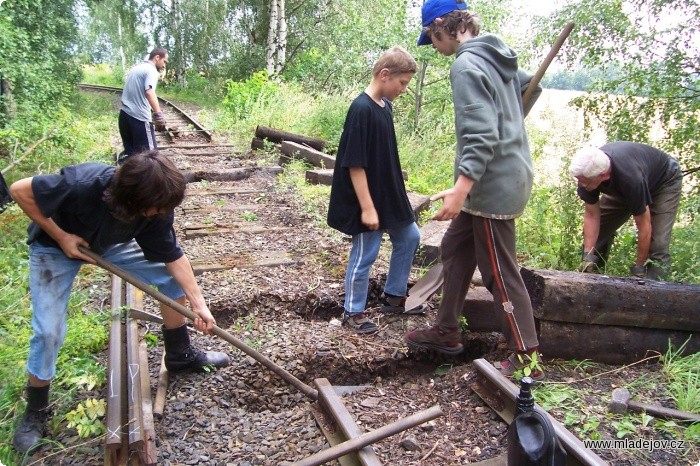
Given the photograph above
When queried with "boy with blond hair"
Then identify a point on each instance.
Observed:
(368, 196)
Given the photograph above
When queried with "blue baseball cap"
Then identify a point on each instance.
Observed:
(433, 9)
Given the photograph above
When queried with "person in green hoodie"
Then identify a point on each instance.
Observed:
(493, 179)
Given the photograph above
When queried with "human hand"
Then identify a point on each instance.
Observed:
(69, 245)
(639, 271)
(204, 322)
(159, 121)
(588, 263)
(452, 203)
(370, 219)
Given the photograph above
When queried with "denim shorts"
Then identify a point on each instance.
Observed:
(51, 275)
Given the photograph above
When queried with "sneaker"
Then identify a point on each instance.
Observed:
(435, 339)
(360, 323)
(519, 362)
(392, 305)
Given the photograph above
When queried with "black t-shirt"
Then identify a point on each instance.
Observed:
(73, 199)
(638, 171)
(369, 141)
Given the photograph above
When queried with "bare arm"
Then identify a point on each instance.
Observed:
(181, 270)
(153, 99)
(370, 218)
(643, 223)
(591, 226)
(453, 198)
(24, 197)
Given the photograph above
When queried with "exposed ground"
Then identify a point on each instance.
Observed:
(245, 415)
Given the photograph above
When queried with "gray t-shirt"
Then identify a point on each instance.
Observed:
(141, 77)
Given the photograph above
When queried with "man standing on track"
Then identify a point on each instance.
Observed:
(136, 125)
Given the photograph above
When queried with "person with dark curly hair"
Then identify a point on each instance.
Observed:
(126, 214)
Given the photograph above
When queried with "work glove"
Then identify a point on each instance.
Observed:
(159, 121)
(588, 263)
(639, 271)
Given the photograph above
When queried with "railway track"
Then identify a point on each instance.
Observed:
(222, 219)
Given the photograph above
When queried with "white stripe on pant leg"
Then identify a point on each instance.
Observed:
(507, 305)
(150, 136)
(354, 270)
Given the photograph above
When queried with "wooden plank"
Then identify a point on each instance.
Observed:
(220, 191)
(315, 157)
(197, 231)
(226, 208)
(430, 238)
(419, 202)
(333, 436)
(320, 176)
(603, 300)
(325, 176)
(333, 404)
(239, 261)
(149, 455)
(609, 344)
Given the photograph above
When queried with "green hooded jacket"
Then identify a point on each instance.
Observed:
(492, 146)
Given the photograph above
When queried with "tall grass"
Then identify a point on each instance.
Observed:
(549, 231)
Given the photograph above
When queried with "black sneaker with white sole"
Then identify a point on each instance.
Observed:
(360, 323)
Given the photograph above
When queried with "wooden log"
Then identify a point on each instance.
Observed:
(480, 311)
(430, 238)
(259, 144)
(419, 203)
(609, 344)
(162, 390)
(233, 174)
(248, 228)
(602, 300)
(242, 260)
(311, 155)
(276, 135)
(321, 176)
(220, 191)
(325, 176)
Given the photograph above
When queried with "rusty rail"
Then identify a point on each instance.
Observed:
(500, 394)
(164, 102)
(281, 372)
(356, 443)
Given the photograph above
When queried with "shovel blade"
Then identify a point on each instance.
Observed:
(425, 287)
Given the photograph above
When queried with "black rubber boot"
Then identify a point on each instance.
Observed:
(180, 355)
(32, 427)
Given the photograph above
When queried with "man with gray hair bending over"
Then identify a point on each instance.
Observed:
(623, 179)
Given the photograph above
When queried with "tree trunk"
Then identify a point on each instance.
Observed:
(610, 319)
(120, 34)
(282, 37)
(179, 52)
(420, 80)
(276, 135)
(602, 300)
(270, 53)
(276, 51)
